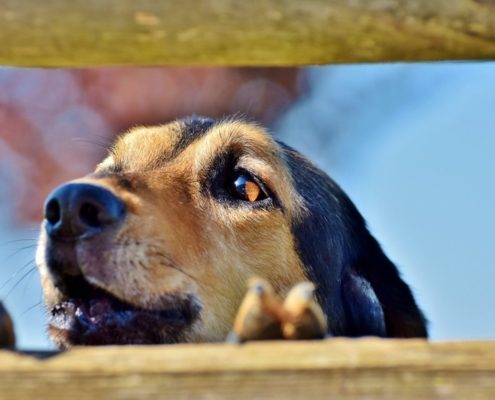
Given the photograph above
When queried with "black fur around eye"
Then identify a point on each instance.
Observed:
(244, 187)
(233, 185)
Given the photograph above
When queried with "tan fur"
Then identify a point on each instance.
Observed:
(304, 318)
(260, 315)
(177, 239)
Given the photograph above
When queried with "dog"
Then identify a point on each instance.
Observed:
(7, 336)
(157, 244)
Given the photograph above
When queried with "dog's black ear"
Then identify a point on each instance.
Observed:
(358, 287)
(363, 309)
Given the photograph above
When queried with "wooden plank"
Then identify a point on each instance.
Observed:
(339, 368)
(255, 32)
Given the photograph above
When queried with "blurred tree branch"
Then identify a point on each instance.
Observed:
(256, 32)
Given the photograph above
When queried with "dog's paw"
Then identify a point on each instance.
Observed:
(260, 315)
(304, 318)
(7, 337)
(263, 316)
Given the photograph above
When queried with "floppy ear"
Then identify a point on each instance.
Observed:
(358, 287)
(364, 311)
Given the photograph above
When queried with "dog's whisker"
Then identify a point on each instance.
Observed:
(168, 264)
(27, 282)
(30, 308)
(9, 242)
(20, 250)
(101, 143)
(16, 273)
(24, 276)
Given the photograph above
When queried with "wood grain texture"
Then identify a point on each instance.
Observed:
(338, 368)
(230, 32)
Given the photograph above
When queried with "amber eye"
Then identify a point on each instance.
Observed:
(245, 188)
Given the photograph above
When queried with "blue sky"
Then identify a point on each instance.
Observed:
(413, 145)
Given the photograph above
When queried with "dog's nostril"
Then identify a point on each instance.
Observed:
(90, 215)
(79, 209)
(52, 212)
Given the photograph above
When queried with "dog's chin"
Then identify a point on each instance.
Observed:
(91, 316)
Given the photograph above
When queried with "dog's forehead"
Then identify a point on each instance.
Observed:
(146, 148)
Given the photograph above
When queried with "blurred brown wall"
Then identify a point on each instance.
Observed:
(56, 124)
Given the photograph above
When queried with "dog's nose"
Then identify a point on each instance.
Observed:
(78, 210)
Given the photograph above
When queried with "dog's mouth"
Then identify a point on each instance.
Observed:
(89, 315)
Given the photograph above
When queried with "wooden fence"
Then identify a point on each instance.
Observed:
(231, 32)
(331, 369)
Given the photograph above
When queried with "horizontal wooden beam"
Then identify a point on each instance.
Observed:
(79, 33)
(331, 369)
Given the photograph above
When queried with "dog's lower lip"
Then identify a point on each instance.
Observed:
(89, 315)
(97, 312)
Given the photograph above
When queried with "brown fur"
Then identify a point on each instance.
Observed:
(304, 318)
(260, 314)
(178, 240)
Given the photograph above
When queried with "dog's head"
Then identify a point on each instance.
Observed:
(156, 246)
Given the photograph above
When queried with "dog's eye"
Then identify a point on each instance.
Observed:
(246, 188)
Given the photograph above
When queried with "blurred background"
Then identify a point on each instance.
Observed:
(413, 145)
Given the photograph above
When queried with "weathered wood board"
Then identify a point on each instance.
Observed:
(332, 369)
(229, 32)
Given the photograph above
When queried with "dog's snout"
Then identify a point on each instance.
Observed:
(76, 210)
